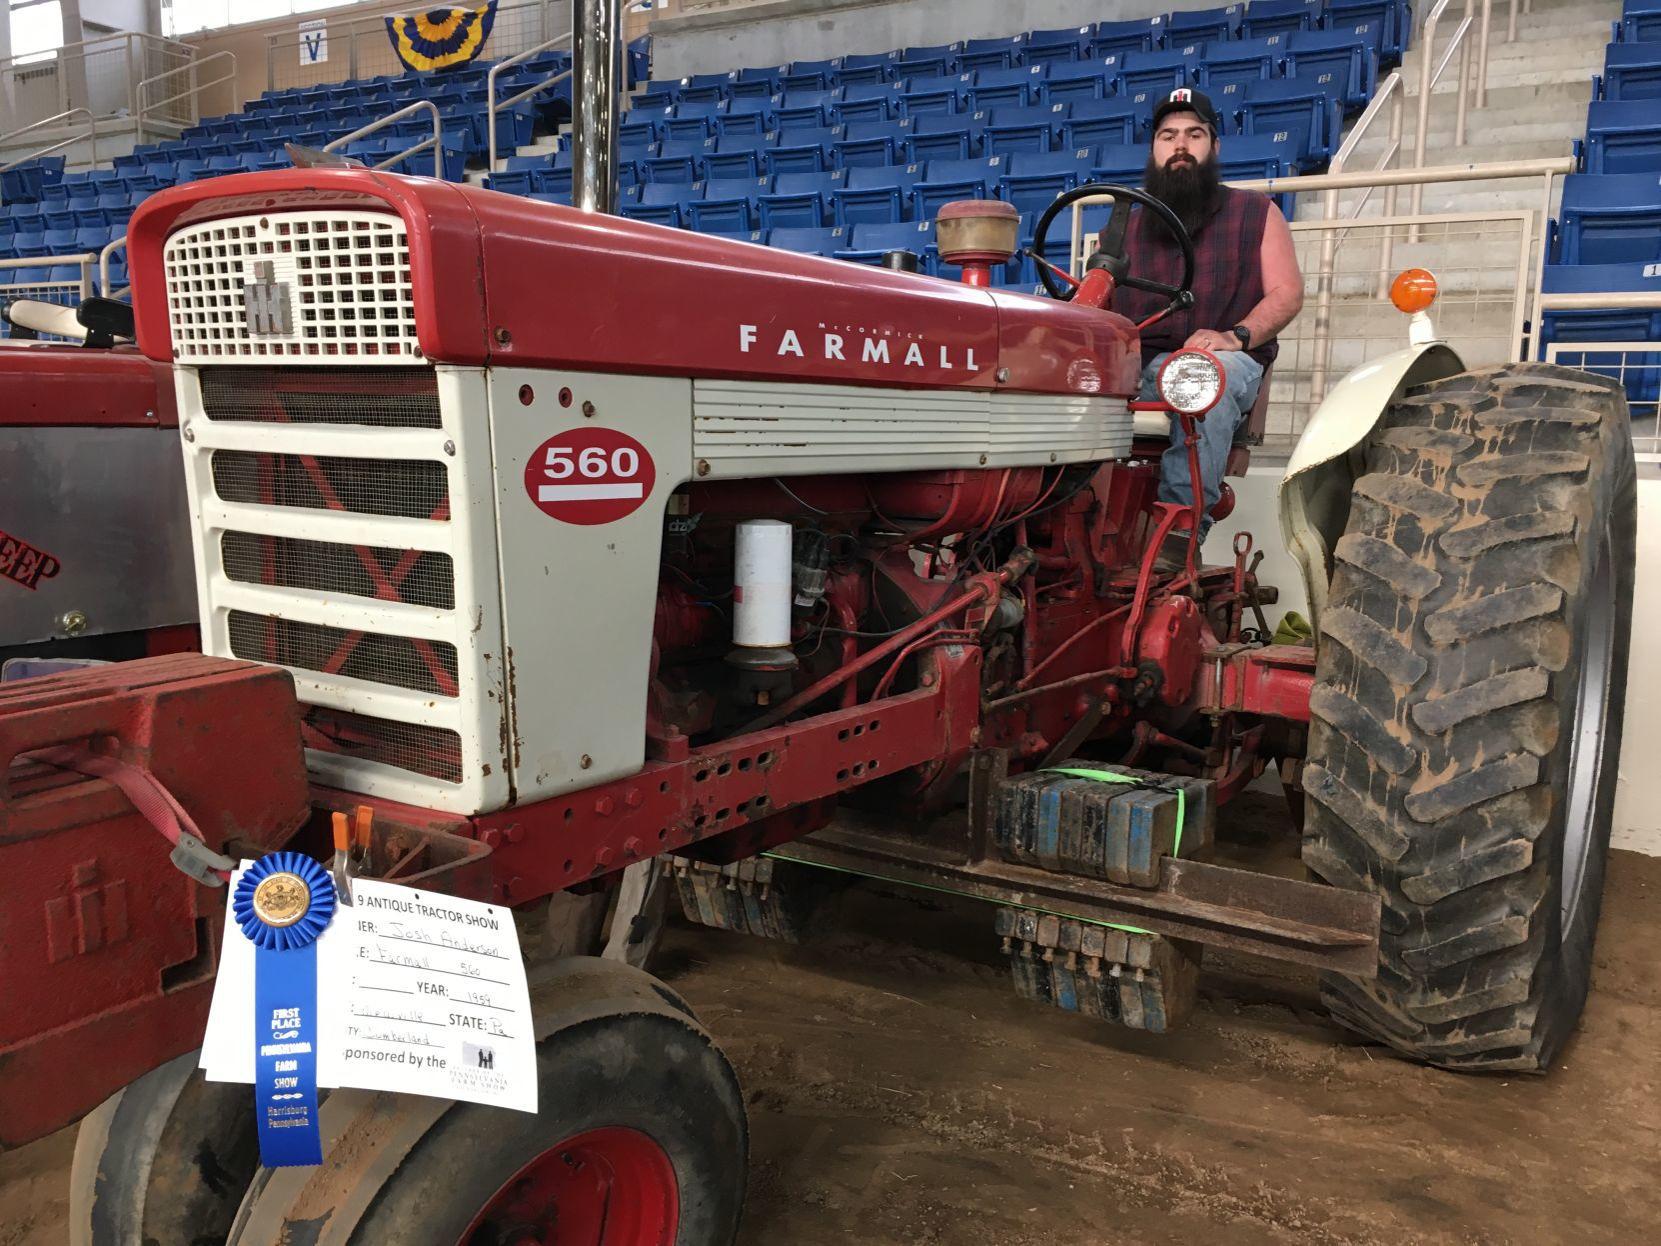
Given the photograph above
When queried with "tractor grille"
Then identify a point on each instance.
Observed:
(415, 577)
(384, 398)
(399, 488)
(304, 287)
(431, 751)
(402, 661)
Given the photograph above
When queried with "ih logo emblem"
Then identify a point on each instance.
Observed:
(266, 303)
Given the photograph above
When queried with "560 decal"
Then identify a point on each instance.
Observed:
(589, 475)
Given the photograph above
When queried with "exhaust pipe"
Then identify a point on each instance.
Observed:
(596, 44)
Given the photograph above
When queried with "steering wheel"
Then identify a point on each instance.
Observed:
(1111, 253)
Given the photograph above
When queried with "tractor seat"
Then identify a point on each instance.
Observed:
(1154, 425)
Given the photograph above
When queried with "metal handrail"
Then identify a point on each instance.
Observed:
(104, 263)
(490, 87)
(436, 142)
(1429, 77)
(1615, 300)
(31, 59)
(194, 90)
(91, 133)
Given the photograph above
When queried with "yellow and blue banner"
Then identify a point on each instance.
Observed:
(440, 38)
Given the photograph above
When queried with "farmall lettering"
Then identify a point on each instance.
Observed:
(838, 346)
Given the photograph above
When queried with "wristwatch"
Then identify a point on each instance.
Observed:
(1244, 334)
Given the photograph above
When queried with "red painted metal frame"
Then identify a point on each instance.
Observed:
(49, 384)
(562, 288)
(1273, 681)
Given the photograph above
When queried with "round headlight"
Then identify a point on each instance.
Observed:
(1191, 381)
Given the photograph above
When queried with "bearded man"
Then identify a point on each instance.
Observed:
(1247, 288)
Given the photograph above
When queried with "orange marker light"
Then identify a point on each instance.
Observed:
(1413, 290)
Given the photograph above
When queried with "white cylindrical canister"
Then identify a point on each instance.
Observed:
(761, 584)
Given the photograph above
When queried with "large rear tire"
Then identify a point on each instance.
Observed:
(1466, 717)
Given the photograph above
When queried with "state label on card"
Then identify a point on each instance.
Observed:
(417, 992)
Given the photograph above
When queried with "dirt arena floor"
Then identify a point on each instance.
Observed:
(899, 1092)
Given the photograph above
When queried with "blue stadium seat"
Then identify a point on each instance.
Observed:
(1032, 180)
(1160, 72)
(690, 119)
(800, 200)
(556, 178)
(1623, 136)
(1302, 107)
(1631, 71)
(928, 96)
(562, 197)
(944, 138)
(808, 76)
(757, 83)
(91, 239)
(1095, 122)
(806, 150)
(737, 155)
(1249, 157)
(1242, 61)
(1642, 371)
(641, 125)
(875, 194)
(867, 244)
(1024, 129)
(1610, 219)
(1347, 55)
(946, 180)
(1392, 18)
(728, 205)
(804, 108)
(1280, 17)
(1205, 25)
(1047, 47)
(661, 203)
(1142, 34)
(1091, 79)
(925, 62)
(978, 54)
(1640, 21)
(29, 242)
(519, 178)
(877, 67)
(58, 241)
(869, 143)
(868, 101)
(1121, 163)
(678, 160)
(808, 241)
(743, 116)
(1003, 88)
(657, 95)
(755, 237)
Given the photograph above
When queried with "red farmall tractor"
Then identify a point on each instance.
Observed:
(565, 543)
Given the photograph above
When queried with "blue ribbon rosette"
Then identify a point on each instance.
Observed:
(283, 902)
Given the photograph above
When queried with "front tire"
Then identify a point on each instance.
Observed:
(1466, 718)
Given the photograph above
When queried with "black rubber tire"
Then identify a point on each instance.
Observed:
(1442, 720)
(644, 1063)
(164, 1160)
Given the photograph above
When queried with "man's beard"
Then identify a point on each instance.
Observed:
(1191, 189)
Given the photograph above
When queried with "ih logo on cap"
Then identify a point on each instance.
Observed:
(1182, 95)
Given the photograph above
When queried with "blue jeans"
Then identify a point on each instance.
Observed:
(1243, 375)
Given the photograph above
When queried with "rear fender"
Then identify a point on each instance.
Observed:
(1315, 492)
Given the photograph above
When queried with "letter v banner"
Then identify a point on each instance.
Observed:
(440, 38)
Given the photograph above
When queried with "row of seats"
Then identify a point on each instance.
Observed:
(1607, 237)
(1388, 23)
(889, 192)
(1299, 115)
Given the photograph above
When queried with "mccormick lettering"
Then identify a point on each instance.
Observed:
(822, 343)
(23, 563)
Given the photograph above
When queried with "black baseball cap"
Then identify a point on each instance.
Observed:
(1186, 99)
